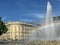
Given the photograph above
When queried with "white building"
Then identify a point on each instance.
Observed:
(17, 31)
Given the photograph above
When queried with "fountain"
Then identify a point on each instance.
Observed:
(49, 31)
(48, 18)
(49, 34)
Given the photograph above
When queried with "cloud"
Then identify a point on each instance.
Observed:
(25, 20)
(39, 15)
(36, 15)
(4, 18)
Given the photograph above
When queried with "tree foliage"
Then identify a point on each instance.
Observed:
(3, 28)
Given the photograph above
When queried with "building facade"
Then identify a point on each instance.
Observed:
(56, 19)
(17, 31)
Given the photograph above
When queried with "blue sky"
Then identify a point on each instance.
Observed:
(27, 10)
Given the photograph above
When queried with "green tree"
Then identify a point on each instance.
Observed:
(3, 28)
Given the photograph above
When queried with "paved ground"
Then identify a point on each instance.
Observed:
(12, 43)
(38, 42)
